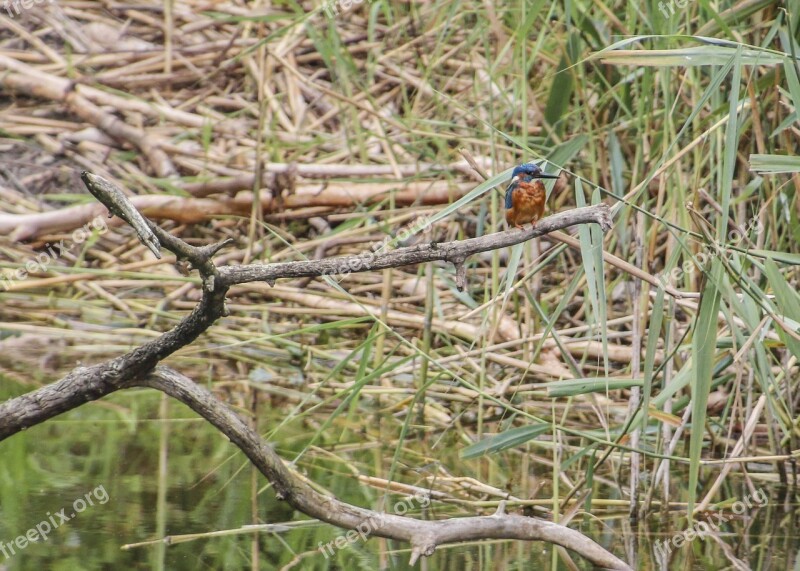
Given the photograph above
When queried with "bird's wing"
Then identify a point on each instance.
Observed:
(509, 194)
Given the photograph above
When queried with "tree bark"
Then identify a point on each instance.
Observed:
(140, 367)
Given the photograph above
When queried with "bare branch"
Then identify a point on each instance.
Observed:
(424, 536)
(86, 384)
(139, 368)
(118, 204)
(455, 252)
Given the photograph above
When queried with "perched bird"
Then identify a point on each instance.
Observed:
(525, 195)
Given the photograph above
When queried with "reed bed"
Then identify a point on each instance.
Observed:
(655, 367)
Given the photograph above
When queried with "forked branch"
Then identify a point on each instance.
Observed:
(140, 368)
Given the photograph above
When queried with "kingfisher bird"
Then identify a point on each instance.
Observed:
(525, 196)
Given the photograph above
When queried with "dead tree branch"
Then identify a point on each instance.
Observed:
(140, 368)
(455, 252)
(424, 536)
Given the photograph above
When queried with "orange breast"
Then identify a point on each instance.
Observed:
(528, 203)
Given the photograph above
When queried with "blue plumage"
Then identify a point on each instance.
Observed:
(526, 195)
(509, 193)
(525, 177)
(531, 170)
(523, 173)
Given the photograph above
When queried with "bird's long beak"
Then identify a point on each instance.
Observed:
(547, 176)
